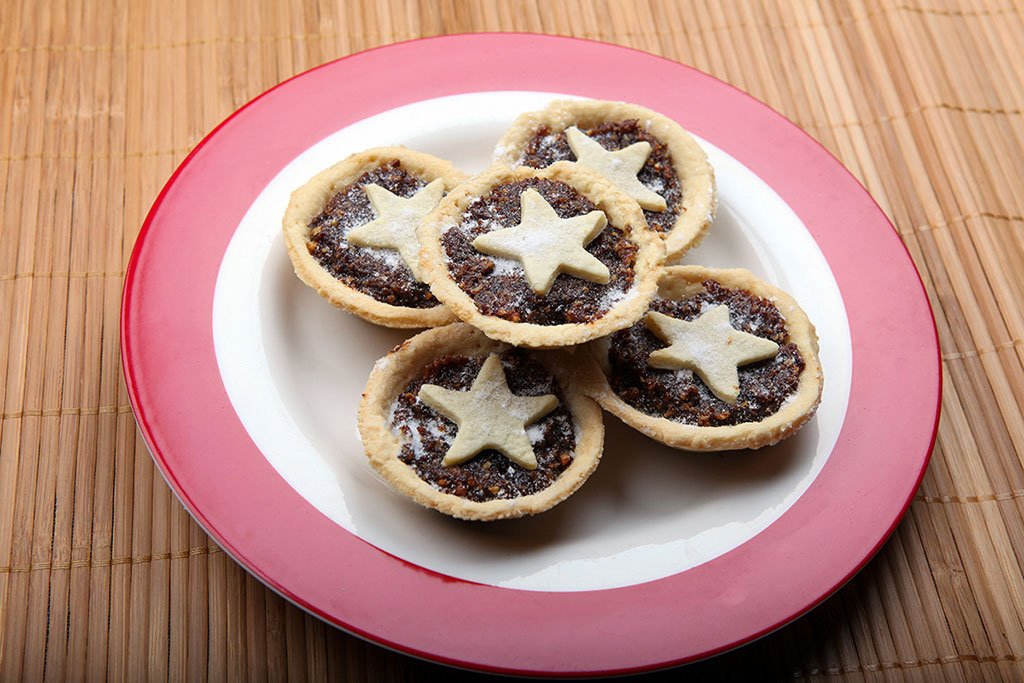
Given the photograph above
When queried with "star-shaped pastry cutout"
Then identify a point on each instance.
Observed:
(710, 346)
(396, 222)
(547, 245)
(489, 415)
(620, 166)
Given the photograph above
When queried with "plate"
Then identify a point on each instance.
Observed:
(244, 382)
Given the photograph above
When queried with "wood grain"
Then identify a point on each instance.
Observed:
(103, 575)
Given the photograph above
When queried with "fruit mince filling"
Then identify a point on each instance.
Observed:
(679, 394)
(498, 286)
(379, 273)
(658, 174)
(427, 434)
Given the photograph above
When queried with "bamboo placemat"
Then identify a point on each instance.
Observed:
(102, 572)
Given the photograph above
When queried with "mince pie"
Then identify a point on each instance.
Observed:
(645, 154)
(720, 361)
(541, 258)
(351, 234)
(478, 429)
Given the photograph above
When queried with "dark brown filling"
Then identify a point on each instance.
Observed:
(504, 292)
(658, 174)
(379, 273)
(679, 394)
(489, 475)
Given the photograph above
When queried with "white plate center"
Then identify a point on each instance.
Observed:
(294, 368)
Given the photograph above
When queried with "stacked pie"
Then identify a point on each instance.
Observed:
(553, 262)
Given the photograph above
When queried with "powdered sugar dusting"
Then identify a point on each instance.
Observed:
(506, 266)
(656, 184)
(388, 256)
(535, 432)
(433, 424)
(614, 297)
(546, 145)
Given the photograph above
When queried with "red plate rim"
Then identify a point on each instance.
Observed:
(213, 466)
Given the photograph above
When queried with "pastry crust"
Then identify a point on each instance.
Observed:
(308, 201)
(402, 365)
(679, 282)
(623, 214)
(695, 174)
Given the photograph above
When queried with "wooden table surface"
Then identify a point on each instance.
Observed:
(103, 575)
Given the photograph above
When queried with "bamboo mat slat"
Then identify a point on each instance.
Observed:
(103, 575)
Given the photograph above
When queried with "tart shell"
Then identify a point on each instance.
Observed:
(678, 282)
(623, 214)
(383, 444)
(695, 174)
(308, 201)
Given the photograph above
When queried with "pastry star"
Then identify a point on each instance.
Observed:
(397, 218)
(489, 415)
(547, 245)
(620, 166)
(709, 346)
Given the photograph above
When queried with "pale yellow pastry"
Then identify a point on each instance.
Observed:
(721, 361)
(478, 429)
(351, 234)
(541, 258)
(645, 154)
